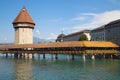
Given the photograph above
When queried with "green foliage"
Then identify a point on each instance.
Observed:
(83, 37)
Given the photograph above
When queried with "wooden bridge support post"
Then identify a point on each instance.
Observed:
(73, 57)
(16, 55)
(84, 58)
(11, 55)
(23, 55)
(43, 55)
(111, 56)
(93, 57)
(33, 56)
(6, 55)
(68, 57)
(56, 56)
(27, 55)
(104, 56)
(38, 56)
(30, 56)
(52, 56)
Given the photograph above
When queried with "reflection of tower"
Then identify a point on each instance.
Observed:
(23, 70)
(24, 26)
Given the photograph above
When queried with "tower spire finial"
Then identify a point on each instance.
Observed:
(23, 8)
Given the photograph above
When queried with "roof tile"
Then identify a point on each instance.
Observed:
(23, 17)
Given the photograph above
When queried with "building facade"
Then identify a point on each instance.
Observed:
(98, 34)
(112, 31)
(76, 36)
(23, 25)
(60, 38)
(108, 32)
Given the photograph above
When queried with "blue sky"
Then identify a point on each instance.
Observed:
(52, 16)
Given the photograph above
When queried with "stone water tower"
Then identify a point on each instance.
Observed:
(23, 25)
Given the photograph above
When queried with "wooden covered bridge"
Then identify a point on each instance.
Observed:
(73, 48)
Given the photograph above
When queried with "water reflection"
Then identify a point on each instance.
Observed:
(61, 69)
(23, 69)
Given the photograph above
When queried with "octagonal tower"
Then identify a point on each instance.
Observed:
(23, 25)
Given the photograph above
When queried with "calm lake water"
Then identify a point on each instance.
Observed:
(61, 69)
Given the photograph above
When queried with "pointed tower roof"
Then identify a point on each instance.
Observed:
(23, 17)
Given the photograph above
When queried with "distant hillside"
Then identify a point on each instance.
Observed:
(37, 40)
(6, 43)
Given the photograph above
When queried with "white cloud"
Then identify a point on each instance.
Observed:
(5, 40)
(51, 36)
(38, 33)
(106, 17)
(80, 18)
(89, 14)
(96, 20)
(91, 21)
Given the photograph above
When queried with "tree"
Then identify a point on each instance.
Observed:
(83, 37)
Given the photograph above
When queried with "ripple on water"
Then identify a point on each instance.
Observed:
(25, 69)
